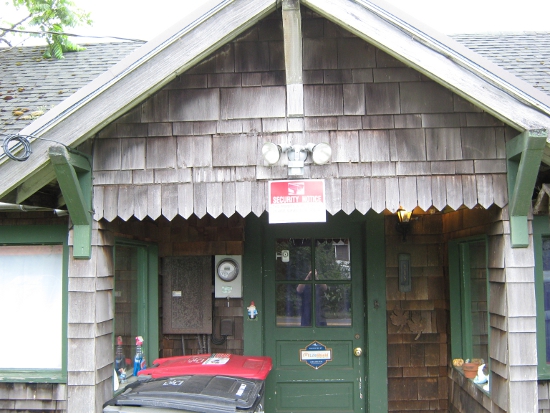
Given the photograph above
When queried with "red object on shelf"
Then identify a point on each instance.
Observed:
(249, 367)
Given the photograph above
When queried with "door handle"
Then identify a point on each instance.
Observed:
(357, 351)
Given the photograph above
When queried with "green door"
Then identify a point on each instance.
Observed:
(314, 318)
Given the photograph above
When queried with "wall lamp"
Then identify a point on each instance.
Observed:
(403, 225)
(297, 154)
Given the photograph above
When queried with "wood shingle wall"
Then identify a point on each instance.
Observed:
(397, 138)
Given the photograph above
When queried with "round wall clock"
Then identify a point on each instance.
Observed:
(227, 269)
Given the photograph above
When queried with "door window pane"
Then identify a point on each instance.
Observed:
(304, 300)
(294, 259)
(332, 259)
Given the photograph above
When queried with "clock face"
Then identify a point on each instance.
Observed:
(227, 269)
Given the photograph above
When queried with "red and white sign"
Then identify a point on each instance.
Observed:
(297, 201)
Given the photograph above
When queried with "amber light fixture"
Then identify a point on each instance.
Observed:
(403, 225)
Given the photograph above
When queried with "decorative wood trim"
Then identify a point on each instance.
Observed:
(524, 154)
(74, 176)
(292, 26)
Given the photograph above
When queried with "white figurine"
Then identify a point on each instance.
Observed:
(481, 377)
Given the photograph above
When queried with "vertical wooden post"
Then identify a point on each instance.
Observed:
(292, 25)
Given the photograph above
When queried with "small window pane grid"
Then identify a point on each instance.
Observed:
(313, 286)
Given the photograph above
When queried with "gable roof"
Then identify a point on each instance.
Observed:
(156, 63)
(526, 55)
(32, 84)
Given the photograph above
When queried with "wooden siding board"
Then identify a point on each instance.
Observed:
(194, 151)
(453, 185)
(484, 190)
(325, 100)
(97, 202)
(194, 105)
(424, 192)
(362, 194)
(382, 98)
(392, 194)
(258, 197)
(199, 199)
(133, 153)
(110, 202)
(243, 192)
(154, 109)
(161, 152)
(443, 144)
(185, 200)
(407, 145)
(125, 204)
(478, 143)
(154, 198)
(354, 99)
(107, 155)
(214, 199)
(374, 145)
(333, 189)
(413, 98)
(235, 150)
(469, 191)
(169, 201)
(345, 146)
(229, 197)
(140, 201)
(500, 188)
(408, 192)
(439, 192)
(253, 102)
(355, 53)
(320, 53)
(348, 195)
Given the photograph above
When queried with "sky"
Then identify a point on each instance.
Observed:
(144, 19)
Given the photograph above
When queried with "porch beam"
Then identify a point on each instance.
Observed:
(292, 26)
(74, 175)
(524, 155)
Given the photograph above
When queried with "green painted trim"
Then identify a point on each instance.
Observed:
(77, 192)
(524, 155)
(147, 295)
(42, 235)
(153, 302)
(541, 229)
(460, 297)
(253, 284)
(455, 300)
(375, 302)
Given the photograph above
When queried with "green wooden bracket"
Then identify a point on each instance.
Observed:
(74, 175)
(524, 154)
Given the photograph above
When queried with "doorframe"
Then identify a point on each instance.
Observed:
(376, 376)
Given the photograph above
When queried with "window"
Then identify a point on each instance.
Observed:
(33, 297)
(469, 299)
(313, 283)
(136, 300)
(541, 237)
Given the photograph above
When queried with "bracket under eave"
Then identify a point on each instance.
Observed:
(524, 154)
(74, 174)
